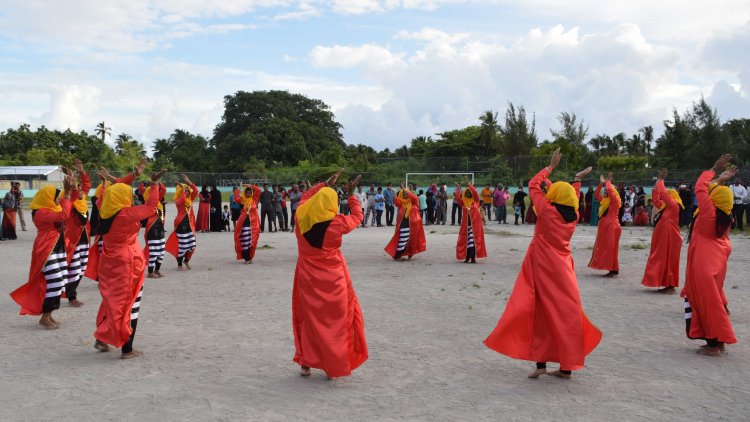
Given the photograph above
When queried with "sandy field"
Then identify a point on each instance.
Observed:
(218, 342)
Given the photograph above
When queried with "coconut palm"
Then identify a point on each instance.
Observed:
(490, 130)
(103, 131)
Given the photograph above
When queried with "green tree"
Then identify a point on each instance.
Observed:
(518, 135)
(489, 137)
(570, 139)
(102, 131)
(183, 151)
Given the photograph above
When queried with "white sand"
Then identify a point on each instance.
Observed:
(218, 342)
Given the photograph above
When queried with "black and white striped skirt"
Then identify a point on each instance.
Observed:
(185, 238)
(80, 260)
(55, 270)
(246, 235)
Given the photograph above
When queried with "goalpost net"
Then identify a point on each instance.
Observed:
(420, 176)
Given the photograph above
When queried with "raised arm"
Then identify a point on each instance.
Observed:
(535, 190)
(615, 201)
(660, 195)
(49, 216)
(598, 192)
(310, 192)
(256, 193)
(474, 193)
(140, 212)
(193, 191)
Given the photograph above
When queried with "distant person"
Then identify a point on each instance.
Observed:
(499, 197)
(234, 207)
(388, 195)
(487, 201)
(182, 242)
(409, 239)
(423, 206)
(204, 210)
(246, 230)
(470, 243)
(456, 207)
(295, 195)
(441, 206)
(607, 245)
(370, 204)
(362, 197)
(738, 209)
(19, 206)
(9, 214)
(519, 204)
(267, 209)
(226, 217)
(379, 206)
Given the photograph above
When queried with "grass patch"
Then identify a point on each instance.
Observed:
(638, 246)
(433, 231)
(476, 286)
(266, 246)
(503, 233)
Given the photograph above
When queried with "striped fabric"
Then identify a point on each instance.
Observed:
(55, 271)
(688, 310)
(246, 237)
(403, 239)
(470, 238)
(78, 262)
(186, 243)
(100, 244)
(136, 306)
(155, 252)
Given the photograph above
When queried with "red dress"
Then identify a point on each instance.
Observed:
(76, 224)
(607, 245)
(204, 213)
(182, 211)
(121, 273)
(417, 242)
(544, 319)
(531, 213)
(477, 229)
(152, 220)
(252, 214)
(49, 228)
(663, 266)
(329, 331)
(705, 272)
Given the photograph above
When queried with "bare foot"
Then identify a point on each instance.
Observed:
(51, 318)
(181, 269)
(188, 266)
(611, 274)
(102, 347)
(160, 275)
(722, 347)
(131, 355)
(47, 323)
(559, 375)
(537, 373)
(305, 371)
(409, 257)
(709, 351)
(75, 303)
(152, 275)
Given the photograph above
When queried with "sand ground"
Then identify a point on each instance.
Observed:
(218, 342)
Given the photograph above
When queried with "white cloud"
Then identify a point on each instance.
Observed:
(368, 55)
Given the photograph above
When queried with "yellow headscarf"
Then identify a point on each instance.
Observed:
(675, 197)
(147, 194)
(178, 192)
(722, 197)
(45, 198)
(604, 203)
(81, 204)
(116, 197)
(322, 206)
(99, 190)
(247, 201)
(562, 193)
(467, 201)
(405, 201)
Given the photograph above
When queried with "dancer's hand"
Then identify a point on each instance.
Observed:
(68, 183)
(609, 177)
(186, 179)
(728, 174)
(602, 179)
(334, 178)
(141, 167)
(721, 163)
(156, 176)
(78, 165)
(581, 174)
(352, 185)
(556, 157)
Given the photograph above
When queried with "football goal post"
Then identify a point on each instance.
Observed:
(470, 176)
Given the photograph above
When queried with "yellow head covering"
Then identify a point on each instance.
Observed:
(99, 190)
(675, 197)
(466, 200)
(322, 206)
(45, 198)
(81, 204)
(181, 187)
(722, 197)
(247, 201)
(604, 203)
(147, 194)
(562, 193)
(405, 201)
(116, 197)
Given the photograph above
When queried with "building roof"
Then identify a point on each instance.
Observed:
(27, 170)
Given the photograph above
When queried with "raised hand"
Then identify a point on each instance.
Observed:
(581, 174)
(141, 167)
(602, 180)
(68, 183)
(352, 185)
(107, 175)
(78, 165)
(556, 157)
(185, 179)
(334, 178)
(728, 174)
(403, 185)
(722, 163)
(156, 176)
(663, 174)
(609, 177)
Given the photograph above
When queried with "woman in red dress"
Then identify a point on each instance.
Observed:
(663, 266)
(607, 244)
(706, 313)
(181, 243)
(122, 267)
(77, 236)
(470, 243)
(154, 233)
(204, 211)
(408, 240)
(329, 332)
(247, 229)
(544, 319)
(41, 293)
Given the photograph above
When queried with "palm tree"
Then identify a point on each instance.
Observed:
(490, 129)
(102, 130)
(648, 138)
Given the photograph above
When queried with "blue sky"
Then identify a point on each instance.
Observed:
(390, 69)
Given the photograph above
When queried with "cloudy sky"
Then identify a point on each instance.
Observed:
(390, 69)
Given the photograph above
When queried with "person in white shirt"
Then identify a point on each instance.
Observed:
(738, 209)
(746, 202)
(362, 197)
